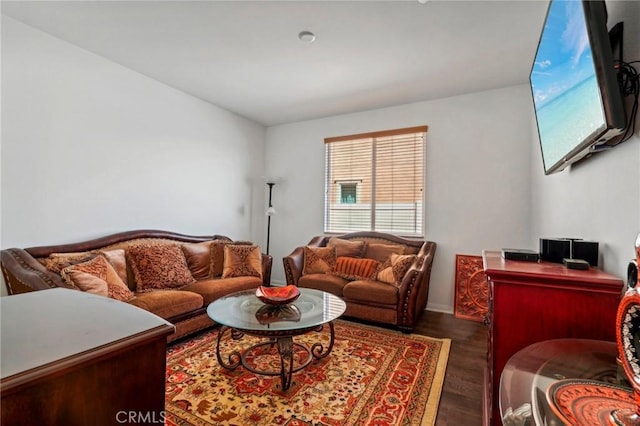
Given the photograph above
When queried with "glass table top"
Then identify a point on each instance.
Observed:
(244, 311)
(529, 374)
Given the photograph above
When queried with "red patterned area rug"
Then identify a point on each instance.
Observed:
(472, 290)
(372, 376)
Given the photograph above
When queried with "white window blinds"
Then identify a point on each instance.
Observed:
(374, 182)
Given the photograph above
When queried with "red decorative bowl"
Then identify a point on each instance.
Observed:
(278, 295)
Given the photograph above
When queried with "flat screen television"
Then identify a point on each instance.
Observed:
(573, 79)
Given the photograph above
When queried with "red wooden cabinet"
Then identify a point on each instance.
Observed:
(74, 358)
(531, 302)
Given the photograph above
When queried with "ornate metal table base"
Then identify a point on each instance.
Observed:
(283, 341)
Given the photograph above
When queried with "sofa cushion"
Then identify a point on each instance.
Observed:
(56, 262)
(118, 260)
(160, 266)
(368, 291)
(214, 289)
(242, 261)
(168, 303)
(353, 268)
(325, 282)
(198, 256)
(394, 269)
(381, 252)
(217, 257)
(346, 247)
(318, 260)
(97, 276)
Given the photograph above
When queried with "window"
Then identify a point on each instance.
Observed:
(348, 192)
(374, 182)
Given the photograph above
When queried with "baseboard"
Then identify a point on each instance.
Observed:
(445, 309)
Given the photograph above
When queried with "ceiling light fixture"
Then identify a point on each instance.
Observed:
(307, 36)
(422, 1)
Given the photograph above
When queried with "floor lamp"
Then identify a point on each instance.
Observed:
(270, 212)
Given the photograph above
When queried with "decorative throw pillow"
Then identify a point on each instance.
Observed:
(118, 260)
(242, 261)
(318, 260)
(97, 276)
(352, 268)
(346, 247)
(56, 262)
(381, 252)
(159, 267)
(198, 256)
(394, 269)
(217, 257)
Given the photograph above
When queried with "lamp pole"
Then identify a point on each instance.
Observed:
(269, 214)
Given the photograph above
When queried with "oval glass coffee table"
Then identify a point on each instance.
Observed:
(243, 313)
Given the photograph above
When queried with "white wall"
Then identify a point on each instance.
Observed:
(477, 176)
(90, 148)
(599, 198)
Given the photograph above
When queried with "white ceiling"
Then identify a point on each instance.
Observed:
(245, 55)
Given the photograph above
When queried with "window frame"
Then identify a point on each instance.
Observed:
(373, 137)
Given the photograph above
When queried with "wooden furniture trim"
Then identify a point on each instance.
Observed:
(97, 243)
(378, 134)
(530, 272)
(71, 362)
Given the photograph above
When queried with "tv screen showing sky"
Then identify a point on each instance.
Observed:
(564, 84)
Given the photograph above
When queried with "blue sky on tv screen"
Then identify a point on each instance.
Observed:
(564, 57)
(565, 88)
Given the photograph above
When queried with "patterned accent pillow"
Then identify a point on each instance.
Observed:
(118, 260)
(198, 257)
(394, 269)
(97, 276)
(56, 262)
(381, 252)
(159, 267)
(318, 260)
(352, 268)
(217, 257)
(346, 247)
(242, 261)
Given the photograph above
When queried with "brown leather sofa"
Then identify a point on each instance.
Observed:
(184, 306)
(398, 301)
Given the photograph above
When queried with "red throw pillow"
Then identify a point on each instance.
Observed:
(353, 268)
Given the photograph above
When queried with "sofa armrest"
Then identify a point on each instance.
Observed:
(293, 266)
(294, 262)
(23, 273)
(267, 263)
(414, 287)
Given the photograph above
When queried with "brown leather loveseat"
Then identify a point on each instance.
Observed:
(172, 275)
(381, 277)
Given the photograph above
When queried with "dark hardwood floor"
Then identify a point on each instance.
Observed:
(461, 400)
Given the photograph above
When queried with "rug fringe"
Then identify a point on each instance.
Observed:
(431, 408)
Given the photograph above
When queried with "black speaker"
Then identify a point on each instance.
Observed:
(555, 249)
(585, 250)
